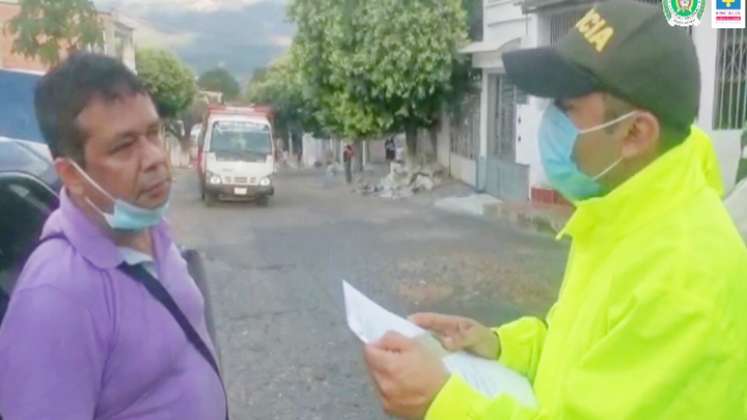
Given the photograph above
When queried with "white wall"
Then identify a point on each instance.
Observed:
(317, 150)
(496, 13)
(376, 151)
(462, 169)
(458, 167)
(527, 146)
(726, 142)
(528, 116)
(506, 27)
(443, 146)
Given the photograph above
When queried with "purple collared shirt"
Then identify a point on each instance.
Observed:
(82, 341)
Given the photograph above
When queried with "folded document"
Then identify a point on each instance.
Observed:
(369, 322)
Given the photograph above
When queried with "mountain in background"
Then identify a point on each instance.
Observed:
(239, 36)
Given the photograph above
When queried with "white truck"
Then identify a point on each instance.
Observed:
(236, 155)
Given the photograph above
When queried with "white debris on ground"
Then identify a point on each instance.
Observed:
(405, 180)
(334, 168)
(472, 204)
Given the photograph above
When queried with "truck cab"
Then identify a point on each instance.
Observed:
(236, 155)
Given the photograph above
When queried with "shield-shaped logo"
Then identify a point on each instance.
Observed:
(684, 12)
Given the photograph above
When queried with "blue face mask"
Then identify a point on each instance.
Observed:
(557, 140)
(126, 216)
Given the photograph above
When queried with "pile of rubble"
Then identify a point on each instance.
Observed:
(334, 168)
(405, 180)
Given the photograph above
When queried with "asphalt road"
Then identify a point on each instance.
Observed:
(275, 272)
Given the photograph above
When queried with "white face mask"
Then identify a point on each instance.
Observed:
(126, 216)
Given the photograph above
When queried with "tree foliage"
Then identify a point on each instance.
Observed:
(376, 66)
(280, 86)
(192, 116)
(220, 80)
(170, 82)
(50, 29)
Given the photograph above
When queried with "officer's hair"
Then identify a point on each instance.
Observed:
(65, 91)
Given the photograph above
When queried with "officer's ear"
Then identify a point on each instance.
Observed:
(642, 140)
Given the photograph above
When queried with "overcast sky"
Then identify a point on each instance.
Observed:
(161, 6)
(240, 35)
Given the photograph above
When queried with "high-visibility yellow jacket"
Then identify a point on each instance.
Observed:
(651, 319)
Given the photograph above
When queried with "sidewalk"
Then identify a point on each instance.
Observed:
(456, 197)
(542, 218)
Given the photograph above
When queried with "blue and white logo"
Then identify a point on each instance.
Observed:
(728, 14)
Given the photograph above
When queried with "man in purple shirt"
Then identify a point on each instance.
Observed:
(82, 339)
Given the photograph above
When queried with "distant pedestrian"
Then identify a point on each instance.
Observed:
(390, 149)
(347, 158)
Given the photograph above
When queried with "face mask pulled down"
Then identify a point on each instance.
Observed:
(557, 139)
(125, 216)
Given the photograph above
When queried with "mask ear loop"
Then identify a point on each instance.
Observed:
(90, 180)
(606, 171)
(607, 124)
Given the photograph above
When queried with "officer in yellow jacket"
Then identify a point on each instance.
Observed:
(651, 319)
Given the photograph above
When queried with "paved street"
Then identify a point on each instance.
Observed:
(275, 277)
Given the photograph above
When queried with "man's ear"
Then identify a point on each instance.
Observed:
(643, 138)
(70, 176)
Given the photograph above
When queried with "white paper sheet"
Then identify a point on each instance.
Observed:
(369, 322)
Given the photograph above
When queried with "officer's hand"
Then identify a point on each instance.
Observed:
(459, 333)
(407, 375)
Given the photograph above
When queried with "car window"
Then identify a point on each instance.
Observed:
(18, 158)
(240, 137)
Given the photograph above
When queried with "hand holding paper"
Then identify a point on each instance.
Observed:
(370, 322)
(458, 333)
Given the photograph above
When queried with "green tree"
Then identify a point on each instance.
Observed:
(189, 118)
(50, 29)
(220, 80)
(374, 67)
(280, 86)
(170, 82)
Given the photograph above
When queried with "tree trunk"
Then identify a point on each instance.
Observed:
(358, 148)
(186, 138)
(434, 130)
(411, 140)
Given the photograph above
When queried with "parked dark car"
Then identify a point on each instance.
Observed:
(25, 203)
(30, 158)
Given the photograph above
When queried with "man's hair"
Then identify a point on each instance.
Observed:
(669, 135)
(63, 93)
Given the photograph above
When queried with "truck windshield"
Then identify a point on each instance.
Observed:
(241, 138)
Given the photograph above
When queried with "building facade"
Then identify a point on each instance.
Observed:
(505, 161)
(118, 41)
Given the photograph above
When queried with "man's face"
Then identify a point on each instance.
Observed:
(124, 152)
(594, 152)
